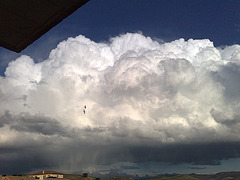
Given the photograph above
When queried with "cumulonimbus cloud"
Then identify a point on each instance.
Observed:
(136, 91)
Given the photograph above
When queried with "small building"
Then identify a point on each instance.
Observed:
(47, 175)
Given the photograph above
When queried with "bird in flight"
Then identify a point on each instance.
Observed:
(84, 109)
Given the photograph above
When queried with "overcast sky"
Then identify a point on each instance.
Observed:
(160, 81)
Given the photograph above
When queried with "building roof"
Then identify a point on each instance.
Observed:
(46, 172)
(23, 22)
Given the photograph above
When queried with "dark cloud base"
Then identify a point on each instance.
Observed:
(25, 160)
(196, 154)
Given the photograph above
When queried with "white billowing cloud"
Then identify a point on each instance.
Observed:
(135, 89)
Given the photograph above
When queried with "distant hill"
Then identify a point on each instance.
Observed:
(232, 175)
(72, 176)
(179, 177)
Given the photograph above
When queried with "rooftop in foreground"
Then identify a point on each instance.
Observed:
(23, 22)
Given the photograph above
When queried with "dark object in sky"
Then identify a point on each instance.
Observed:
(23, 22)
(84, 109)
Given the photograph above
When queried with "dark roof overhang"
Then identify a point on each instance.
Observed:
(23, 22)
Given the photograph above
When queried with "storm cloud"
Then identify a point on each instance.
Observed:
(173, 102)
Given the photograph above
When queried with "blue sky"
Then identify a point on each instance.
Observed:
(160, 80)
(218, 20)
